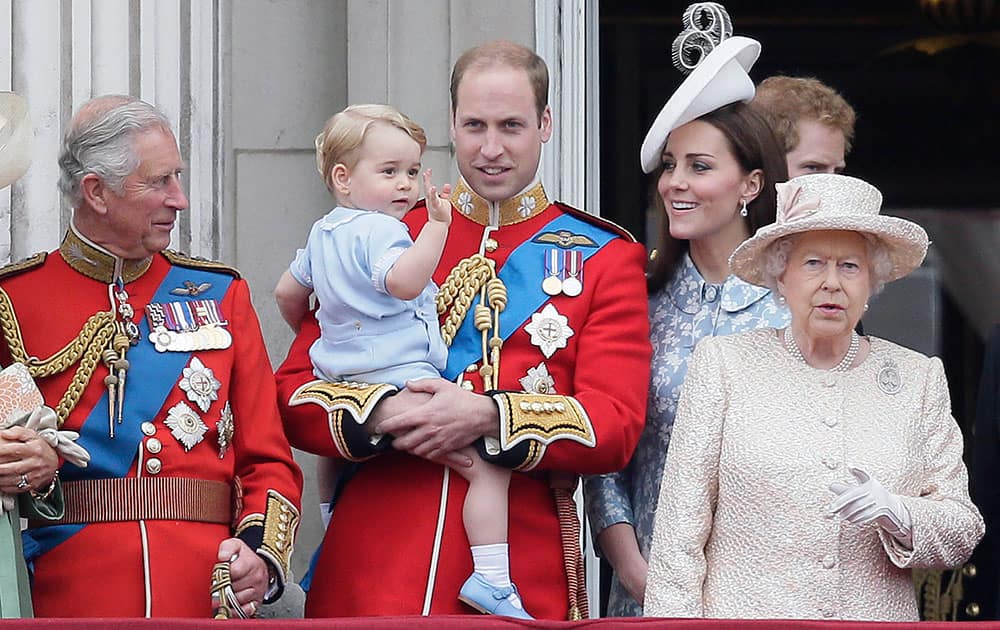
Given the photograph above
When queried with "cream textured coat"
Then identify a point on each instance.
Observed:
(742, 529)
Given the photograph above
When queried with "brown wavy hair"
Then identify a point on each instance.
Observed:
(785, 101)
(754, 146)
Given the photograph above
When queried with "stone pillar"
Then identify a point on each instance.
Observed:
(35, 221)
(65, 52)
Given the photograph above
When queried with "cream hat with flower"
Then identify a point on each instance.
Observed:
(718, 65)
(15, 138)
(832, 202)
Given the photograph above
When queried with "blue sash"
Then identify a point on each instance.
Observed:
(150, 378)
(522, 274)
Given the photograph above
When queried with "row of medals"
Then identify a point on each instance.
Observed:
(187, 326)
(563, 272)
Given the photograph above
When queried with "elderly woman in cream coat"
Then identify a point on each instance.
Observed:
(811, 469)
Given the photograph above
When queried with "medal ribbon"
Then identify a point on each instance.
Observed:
(520, 275)
(151, 377)
(574, 264)
(554, 263)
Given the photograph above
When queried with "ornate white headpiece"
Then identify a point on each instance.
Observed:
(716, 63)
(706, 25)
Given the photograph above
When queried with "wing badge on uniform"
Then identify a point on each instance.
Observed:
(564, 239)
(192, 289)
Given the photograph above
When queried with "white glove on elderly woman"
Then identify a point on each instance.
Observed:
(869, 501)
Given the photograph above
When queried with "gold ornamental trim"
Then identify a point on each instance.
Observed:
(281, 521)
(535, 452)
(543, 419)
(97, 263)
(26, 264)
(521, 207)
(181, 259)
(250, 520)
(356, 399)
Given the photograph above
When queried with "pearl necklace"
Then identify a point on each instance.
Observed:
(845, 363)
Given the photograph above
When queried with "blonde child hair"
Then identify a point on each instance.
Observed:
(344, 133)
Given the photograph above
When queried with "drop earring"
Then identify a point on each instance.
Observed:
(781, 299)
(743, 210)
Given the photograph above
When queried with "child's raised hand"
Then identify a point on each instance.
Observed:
(438, 203)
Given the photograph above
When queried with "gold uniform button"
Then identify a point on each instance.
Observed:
(153, 466)
(491, 245)
(154, 446)
(148, 428)
(972, 609)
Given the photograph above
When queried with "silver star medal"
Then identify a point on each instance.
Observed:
(549, 330)
(538, 380)
(888, 378)
(200, 384)
(185, 425)
(225, 428)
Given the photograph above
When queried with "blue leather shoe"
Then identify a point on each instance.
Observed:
(492, 600)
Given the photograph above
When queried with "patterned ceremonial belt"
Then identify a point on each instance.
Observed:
(138, 499)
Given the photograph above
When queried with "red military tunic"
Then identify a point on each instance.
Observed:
(135, 568)
(379, 556)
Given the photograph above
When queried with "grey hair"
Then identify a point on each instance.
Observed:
(775, 261)
(103, 144)
(880, 263)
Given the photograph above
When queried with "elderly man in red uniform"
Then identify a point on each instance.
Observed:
(157, 360)
(544, 310)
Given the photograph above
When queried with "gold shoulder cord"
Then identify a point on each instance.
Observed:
(475, 274)
(85, 348)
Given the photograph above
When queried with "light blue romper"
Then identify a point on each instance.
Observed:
(367, 334)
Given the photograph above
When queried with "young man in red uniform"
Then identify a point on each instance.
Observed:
(157, 360)
(544, 310)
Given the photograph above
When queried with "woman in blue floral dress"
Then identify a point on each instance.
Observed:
(715, 174)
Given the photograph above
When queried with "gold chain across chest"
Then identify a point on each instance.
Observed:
(104, 336)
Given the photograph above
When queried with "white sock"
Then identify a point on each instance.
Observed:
(493, 563)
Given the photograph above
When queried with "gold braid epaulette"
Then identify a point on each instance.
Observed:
(85, 348)
(28, 263)
(194, 262)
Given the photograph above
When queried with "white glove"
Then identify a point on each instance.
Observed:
(869, 501)
(45, 423)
